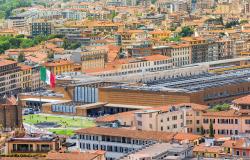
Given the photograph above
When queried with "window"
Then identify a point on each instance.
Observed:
(139, 123)
(150, 115)
(236, 132)
(174, 117)
(150, 126)
(237, 153)
(244, 153)
(197, 122)
(174, 125)
(236, 121)
(161, 128)
(197, 113)
(247, 121)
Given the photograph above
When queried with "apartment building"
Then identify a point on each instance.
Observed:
(180, 53)
(230, 122)
(41, 28)
(119, 142)
(237, 147)
(90, 59)
(242, 103)
(205, 4)
(60, 66)
(186, 118)
(26, 75)
(168, 119)
(160, 34)
(162, 151)
(10, 78)
(213, 50)
(128, 66)
(36, 82)
(199, 49)
(226, 48)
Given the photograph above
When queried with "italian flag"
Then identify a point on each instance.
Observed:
(47, 77)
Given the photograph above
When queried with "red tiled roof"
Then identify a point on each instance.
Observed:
(208, 149)
(187, 136)
(4, 62)
(58, 63)
(242, 100)
(143, 135)
(71, 156)
(228, 113)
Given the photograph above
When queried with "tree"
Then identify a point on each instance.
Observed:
(50, 55)
(231, 24)
(186, 32)
(244, 21)
(202, 130)
(211, 129)
(21, 57)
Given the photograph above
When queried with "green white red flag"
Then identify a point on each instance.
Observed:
(47, 77)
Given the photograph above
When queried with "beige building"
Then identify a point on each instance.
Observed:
(185, 117)
(169, 119)
(10, 78)
(93, 59)
(26, 81)
(90, 59)
(179, 53)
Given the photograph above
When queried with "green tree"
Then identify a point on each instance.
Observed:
(202, 131)
(50, 55)
(15, 42)
(243, 21)
(231, 24)
(211, 129)
(21, 57)
(20, 36)
(186, 32)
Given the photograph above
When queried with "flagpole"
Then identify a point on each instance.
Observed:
(40, 96)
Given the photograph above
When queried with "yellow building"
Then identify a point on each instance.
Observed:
(205, 151)
(26, 80)
(58, 67)
(160, 34)
(8, 32)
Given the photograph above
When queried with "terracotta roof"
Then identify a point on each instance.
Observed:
(208, 149)
(187, 136)
(4, 62)
(228, 143)
(228, 113)
(55, 40)
(242, 144)
(143, 135)
(24, 67)
(194, 106)
(115, 117)
(57, 63)
(242, 100)
(71, 156)
(156, 57)
(22, 158)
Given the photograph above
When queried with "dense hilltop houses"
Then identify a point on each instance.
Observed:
(124, 80)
